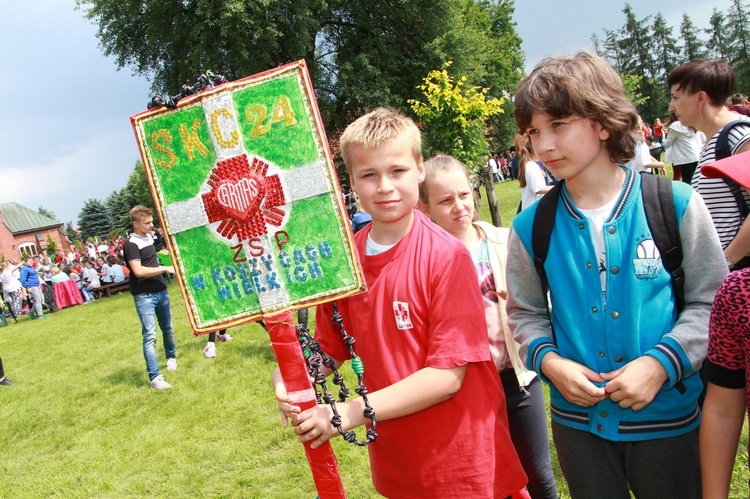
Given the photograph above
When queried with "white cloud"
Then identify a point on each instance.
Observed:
(99, 165)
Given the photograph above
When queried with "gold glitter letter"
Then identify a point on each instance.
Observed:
(257, 114)
(282, 111)
(190, 140)
(163, 135)
(234, 137)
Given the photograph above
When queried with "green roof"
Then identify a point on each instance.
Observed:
(19, 219)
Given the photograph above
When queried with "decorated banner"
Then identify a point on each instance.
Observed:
(246, 191)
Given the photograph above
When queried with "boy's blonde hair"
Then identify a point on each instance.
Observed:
(378, 127)
(583, 85)
(139, 212)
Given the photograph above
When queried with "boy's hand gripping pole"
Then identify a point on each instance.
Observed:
(291, 360)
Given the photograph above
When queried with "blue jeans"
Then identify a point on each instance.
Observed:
(152, 307)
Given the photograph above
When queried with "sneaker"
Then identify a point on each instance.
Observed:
(5, 382)
(209, 350)
(43, 317)
(224, 337)
(172, 364)
(158, 383)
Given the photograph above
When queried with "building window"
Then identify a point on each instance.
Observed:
(28, 248)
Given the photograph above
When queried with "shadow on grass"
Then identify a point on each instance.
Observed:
(256, 350)
(127, 376)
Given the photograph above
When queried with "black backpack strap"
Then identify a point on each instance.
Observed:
(658, 203)
(721, 151)
(541, 232)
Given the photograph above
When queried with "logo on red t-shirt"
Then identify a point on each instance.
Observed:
(401, 311)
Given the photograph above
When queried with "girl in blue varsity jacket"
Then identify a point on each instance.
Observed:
(621, 362)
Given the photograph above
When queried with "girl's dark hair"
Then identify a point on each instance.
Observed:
(713, 76)
(583, 85)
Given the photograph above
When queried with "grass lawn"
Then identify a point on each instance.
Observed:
(80, 420)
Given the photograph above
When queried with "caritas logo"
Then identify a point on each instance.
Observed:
(243, 198)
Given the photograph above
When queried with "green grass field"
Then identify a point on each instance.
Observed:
(80, 420)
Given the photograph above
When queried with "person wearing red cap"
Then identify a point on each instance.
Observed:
(728, 360)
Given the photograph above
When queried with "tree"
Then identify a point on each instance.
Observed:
(739, 19)
(692, 45)
(119, 204)
(360, 54)
(95, 220)
(665, 48)
(47, 213)
(718, 41)
(454, 116)
(632, 84)
(637, 46)
(51, 245)
(137, 190)
(72, 233)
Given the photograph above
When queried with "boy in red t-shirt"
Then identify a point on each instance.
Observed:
(421, 333)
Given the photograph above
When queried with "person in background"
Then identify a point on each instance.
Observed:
(12, 288)
(659, 132)
(699, 89)
(30, 280)
(727, 362)
(3, 380)
(58, 275)
(150, 294)
(445, 196)
(116, 272)
(91, 281)
(531, 177)
(210, 349)
(738, 104)
(683, 147)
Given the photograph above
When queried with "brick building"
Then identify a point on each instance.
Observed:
(22, 229)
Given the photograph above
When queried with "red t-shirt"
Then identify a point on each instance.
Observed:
(423, 309)
(658, 130)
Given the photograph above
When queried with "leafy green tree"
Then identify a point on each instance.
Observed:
(172, 42)
(454, 116)
(47, 213)
(632, 84)
(51, 246)
(95, 219)
(692, 45)
(360, 54)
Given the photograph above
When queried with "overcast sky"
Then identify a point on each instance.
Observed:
(67, 137)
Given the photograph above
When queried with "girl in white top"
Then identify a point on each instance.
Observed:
(12, 289)
(447, 197)
(530, 176)
(683, 147)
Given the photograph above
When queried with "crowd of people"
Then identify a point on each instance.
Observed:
(462, 321)
(621, 341)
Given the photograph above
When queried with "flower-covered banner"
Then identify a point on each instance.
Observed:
(246, 191)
